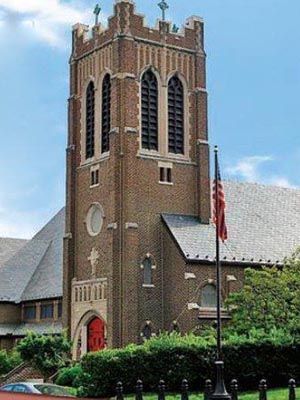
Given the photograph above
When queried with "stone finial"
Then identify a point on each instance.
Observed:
(81, 30)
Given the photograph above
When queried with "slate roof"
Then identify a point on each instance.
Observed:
(35, 271)
(263, 226)
(22, 329)
(8, 247)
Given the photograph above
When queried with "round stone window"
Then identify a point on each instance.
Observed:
(94, 219)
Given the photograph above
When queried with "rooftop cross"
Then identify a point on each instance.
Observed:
(163, 6)
(97, 11)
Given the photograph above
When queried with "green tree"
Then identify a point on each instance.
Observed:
(8, 361)
(270, 299)
(47, 353)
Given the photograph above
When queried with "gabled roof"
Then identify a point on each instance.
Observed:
(263, 226)
(8, 247)
(35, 271)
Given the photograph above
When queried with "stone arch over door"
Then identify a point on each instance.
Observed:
(80, 338)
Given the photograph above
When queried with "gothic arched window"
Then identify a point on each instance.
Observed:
(209, 296)
(149, 111)
(147, 331)
(176, 115)
(147, 268)
(90, 121)
(106, 103)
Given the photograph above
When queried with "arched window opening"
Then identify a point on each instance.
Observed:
(209, 296)
(147, 331)
(90, 121)
(147, 269)
(149, 111)
(106, 106)
(175, 328)
(176, 116)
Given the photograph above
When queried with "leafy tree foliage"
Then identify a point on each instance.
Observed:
(47, 353)
(8, 361)
(269, 300)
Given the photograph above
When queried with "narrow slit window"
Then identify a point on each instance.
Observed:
(161, 174)
(147, 271)
(176, 116)
(90, 121)
(106, 108)
(169, 175)
(149, 111)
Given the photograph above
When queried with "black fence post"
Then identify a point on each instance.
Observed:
(161, 390)
(263, 389)
(208, 389)
(139, 390)
(292, 389)
(119, 390)
(184, 390)
(234, 389)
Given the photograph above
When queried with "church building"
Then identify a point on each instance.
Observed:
(139, 241)
(132, 253)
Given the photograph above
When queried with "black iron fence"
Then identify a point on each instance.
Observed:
(208, 390)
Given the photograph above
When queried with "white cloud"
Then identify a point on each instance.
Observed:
(250, 169)
(247, 167)
(49, 20)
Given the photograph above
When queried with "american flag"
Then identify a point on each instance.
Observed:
(220, 221)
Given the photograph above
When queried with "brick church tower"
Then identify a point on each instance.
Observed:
(137, 148)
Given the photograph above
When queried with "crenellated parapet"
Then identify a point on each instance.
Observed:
(126, 22)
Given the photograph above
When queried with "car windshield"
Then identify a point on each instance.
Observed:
(53, 390)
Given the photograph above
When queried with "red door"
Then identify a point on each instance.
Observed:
(96, 339)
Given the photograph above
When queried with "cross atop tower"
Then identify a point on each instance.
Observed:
(163, 6)
(97, 11)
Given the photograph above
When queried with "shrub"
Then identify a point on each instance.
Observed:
(47, 353)
(67, 376)
(174, 358)
(8, 361)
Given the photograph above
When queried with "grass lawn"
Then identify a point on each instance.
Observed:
(277, 394)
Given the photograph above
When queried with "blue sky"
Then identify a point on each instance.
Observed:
(253, 49)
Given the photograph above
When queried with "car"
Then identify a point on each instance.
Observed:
(37, 388)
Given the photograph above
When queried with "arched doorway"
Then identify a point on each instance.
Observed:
(96, 334)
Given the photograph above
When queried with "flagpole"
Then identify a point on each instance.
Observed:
(218, 264)
(220, 392)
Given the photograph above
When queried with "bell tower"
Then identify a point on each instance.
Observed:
(137, 147)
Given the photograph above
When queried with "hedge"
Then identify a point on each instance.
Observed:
(174, 359)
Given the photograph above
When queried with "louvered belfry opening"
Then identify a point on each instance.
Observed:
(106, 105)
(149, 111)
(176, 116)
(90, 121)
